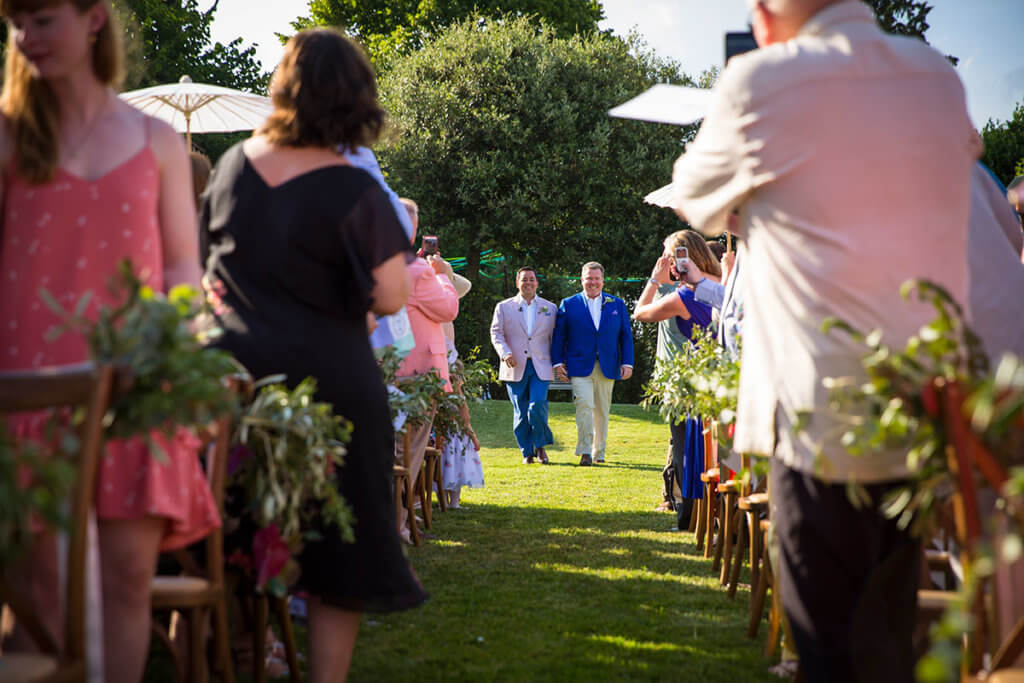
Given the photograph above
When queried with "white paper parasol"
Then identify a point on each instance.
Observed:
(200, 108)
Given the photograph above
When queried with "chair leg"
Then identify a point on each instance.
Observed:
(165, 638)
(423, 492)
(259, 639)
(757, 599)
(197, 644)
(729, 501)
(410, 504)
(699, 519)
(774, 624)
(719, 538)
(709, 521)
(222, 641)
(754, 527)
(438, 481)
(284, 620)
(741, 540)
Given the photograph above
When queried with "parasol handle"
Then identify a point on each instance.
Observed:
(728, 242)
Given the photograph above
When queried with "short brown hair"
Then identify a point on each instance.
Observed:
(524, 269)
(717, 249)
(592, 265)
(30, 103)
(324, 94)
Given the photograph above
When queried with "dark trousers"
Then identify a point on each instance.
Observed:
(683, 506)
(847, 578)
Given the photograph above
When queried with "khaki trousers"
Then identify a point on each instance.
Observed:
(593, 398)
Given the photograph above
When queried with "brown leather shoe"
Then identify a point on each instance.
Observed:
(528, 460)
(585, 460)
(542, 456)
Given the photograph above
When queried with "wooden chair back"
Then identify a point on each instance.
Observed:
(88, 386)
(968, 456)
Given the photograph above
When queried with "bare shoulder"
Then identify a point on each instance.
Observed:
(166, 143)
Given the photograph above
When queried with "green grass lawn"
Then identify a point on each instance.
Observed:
(563, 573)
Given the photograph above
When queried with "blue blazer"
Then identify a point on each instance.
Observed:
(576, 343)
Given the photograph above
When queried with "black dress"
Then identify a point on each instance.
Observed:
(292, 265)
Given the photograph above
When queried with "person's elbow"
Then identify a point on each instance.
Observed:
(390, 294)
(645, 315)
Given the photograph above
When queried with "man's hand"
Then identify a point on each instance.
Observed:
(728, 261)
(440, 266)
(626, 372)
(662, 272)
(560, 374)
(510, 361)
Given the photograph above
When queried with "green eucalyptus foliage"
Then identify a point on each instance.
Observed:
(288, 459)
(176, 381)
(703, 382)
(899, 407)
(1004, 145)
(34, 488)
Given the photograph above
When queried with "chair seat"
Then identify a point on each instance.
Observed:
(710, 475)
(20, 667)
(935, 600)
(401, 471)
(731, 486)
(181, 591)
(1001, 676)
(754, 502)
(432, 452)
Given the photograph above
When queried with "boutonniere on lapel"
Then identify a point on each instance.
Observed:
(607, 300)
(544, 310)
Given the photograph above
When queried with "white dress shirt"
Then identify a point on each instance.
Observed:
(529, 310)
(849, 153)
(594, 306)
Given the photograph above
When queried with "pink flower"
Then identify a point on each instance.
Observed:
(270, 554)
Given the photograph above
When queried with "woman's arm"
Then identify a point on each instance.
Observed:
(650, 311)
(391, 288)
(176, 209)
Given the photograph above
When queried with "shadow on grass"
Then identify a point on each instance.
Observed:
(543, 594)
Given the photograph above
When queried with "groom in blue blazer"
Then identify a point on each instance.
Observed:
(593, 346)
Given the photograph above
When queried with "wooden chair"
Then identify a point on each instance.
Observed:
(967, 457)
(428, 475)
(200, 593)
(709, 503)
(404, 491)
(89, 386)
(262, 606)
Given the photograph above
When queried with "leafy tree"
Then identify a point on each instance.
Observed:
(1004, 144)
(505, 141)
(905, 18)
(166, 39)
(390, 27)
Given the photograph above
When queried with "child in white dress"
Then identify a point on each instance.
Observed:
(460, 452)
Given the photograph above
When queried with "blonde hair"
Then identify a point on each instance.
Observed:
(700, 254)
(29, 102)
(593, 265)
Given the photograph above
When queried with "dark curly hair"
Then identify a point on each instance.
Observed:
(324, 94)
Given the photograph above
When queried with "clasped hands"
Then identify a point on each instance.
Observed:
(625, 372)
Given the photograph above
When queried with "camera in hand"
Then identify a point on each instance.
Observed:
(682, 260)
(429, 245)
(738, 42)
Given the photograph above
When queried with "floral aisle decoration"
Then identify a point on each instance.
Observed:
(898, 406)
(283, 474)
(701, 381)
(166, 377)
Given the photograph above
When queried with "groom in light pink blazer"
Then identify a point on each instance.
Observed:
(521, 332)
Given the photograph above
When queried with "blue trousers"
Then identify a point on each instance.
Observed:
(529, 398)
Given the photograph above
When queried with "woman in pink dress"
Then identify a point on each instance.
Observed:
(88, 181)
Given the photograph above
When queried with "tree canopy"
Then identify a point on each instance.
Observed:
(166, 39)
(388, 27)
(1004, 145)
(904, 18)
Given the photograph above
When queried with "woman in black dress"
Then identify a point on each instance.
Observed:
(299, 246)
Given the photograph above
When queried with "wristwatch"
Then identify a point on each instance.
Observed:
(654, 282)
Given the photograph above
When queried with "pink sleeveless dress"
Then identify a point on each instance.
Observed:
(67, 237)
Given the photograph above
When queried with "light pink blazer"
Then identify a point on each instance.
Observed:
(508, 335)
(432, 301)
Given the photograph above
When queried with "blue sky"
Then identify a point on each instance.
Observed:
(987, 36)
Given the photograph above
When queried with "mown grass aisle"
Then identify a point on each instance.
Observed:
(563, 573)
